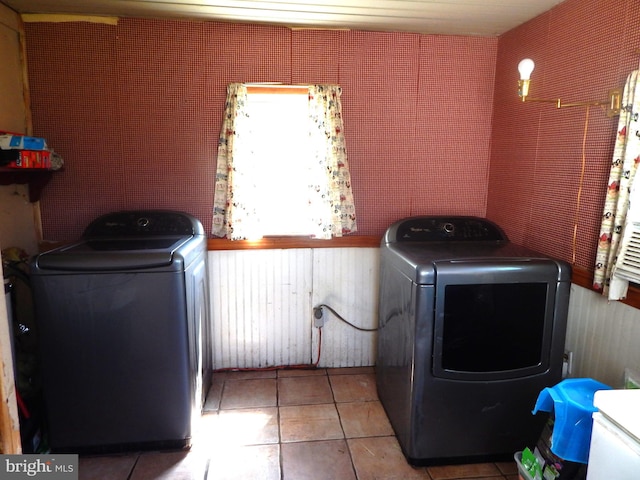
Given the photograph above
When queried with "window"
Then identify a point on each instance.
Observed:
(278, 173)
(282, 165)
(628, 264)
(626, 267)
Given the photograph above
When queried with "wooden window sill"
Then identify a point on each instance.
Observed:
(361, 241)
(584, 278)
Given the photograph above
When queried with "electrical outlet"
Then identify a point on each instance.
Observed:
(567, 364)
(318, 317)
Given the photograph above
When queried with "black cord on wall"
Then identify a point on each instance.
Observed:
(317, 314)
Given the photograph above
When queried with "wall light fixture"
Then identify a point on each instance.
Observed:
(526, 66)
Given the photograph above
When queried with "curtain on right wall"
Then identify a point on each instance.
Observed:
(620, 209)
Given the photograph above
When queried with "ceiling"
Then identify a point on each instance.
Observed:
(448, 17)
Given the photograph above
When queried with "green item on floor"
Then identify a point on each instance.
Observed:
(531, 465)
(550, 472)
(631, 378)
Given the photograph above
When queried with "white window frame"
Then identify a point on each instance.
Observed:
(280, 170)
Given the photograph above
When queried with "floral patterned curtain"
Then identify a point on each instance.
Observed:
(333, 198)
(330, 196)
(626, 156)
(225, 213)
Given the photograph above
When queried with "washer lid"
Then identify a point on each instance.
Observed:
(120, 244)
(114, 254)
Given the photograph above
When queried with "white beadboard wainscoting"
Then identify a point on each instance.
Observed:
(603, 336)
(262, 306)
(262, 313)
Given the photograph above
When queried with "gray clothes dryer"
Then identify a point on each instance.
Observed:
(472, 328)
(122, 318)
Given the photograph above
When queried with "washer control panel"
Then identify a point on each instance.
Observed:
(142, 223)
(438, 229)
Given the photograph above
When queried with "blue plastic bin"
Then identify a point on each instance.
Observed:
(571, 402)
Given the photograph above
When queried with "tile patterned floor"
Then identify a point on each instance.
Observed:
(288, 425)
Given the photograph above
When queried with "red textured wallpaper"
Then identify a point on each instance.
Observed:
(433, 123)
(135, 111)
(582, 48)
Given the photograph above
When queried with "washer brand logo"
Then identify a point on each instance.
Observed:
(50, 467)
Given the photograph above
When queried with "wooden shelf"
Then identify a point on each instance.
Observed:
(36, 178)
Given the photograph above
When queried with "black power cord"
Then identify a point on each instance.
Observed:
(317, 314)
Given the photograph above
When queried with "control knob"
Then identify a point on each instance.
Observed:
(448, 228)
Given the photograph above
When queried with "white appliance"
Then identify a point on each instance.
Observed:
(615, 441)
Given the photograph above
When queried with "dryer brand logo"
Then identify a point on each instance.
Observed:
(50, 467)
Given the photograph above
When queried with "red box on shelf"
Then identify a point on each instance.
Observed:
(29, 158)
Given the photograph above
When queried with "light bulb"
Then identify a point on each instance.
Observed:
(525, 67)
